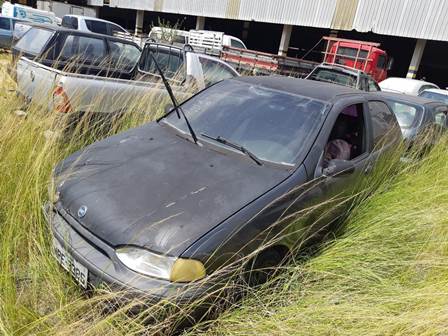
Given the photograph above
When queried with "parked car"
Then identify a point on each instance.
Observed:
(435, 94)
(417, 115)
(93, 25)
(74, 71)
(407, 86)
(150, 211)
(342, 75)
(7, 26)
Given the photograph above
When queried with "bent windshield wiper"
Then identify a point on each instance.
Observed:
(173, 99)
(234, 145)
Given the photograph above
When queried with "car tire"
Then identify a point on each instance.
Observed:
(262, 267)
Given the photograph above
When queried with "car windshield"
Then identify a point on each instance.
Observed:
(334, 76)
(407, 114)
(435, 96)
(274, 125)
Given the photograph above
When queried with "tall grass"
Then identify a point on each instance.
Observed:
(379, 277)
(386, 275)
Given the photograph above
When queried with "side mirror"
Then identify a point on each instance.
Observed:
(338, 168)
(168, 108)
(390, 63)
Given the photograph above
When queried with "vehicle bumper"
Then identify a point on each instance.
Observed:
(105, 270)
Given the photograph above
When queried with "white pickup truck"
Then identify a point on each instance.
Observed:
(207, 40)
(71, 71)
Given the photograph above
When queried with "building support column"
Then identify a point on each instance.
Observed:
(245, 34)
(284, 42)
(416, 58)
(200, 23)
(139, 23)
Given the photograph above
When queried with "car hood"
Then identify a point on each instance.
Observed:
(151, 188)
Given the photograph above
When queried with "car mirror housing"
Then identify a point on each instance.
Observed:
(339, 167)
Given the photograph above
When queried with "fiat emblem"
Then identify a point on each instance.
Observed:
(82, 211)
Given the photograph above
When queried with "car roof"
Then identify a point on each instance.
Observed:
(80, 32)
(406, 98)
(90, 18)
(407, 81)
(440, 91)
(313, 89)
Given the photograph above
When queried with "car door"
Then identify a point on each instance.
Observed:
(386, 132)
(327, 197)
(30, 75)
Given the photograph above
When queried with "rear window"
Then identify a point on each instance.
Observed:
(98, 27)
(86, 49)
(352, 52)
(5, 23)
(334, 76)
(124, 56)
(406, 114)
(70, 22)
(34, 40)
(214, 71)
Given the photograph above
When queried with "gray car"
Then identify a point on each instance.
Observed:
(417, 115)
(153, 211)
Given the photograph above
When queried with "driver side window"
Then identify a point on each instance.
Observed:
(347, 140)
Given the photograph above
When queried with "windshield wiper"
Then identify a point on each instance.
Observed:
(234, 145)
(177, 108)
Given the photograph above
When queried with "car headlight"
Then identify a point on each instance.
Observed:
(159, 266)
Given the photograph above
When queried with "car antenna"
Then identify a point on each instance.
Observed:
(173, 99)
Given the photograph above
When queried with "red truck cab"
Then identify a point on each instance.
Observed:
(365, 56)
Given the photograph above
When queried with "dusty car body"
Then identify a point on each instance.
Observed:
(417, 115)
(151, 194)
(343, 75)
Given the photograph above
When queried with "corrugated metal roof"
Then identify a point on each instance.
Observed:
(426, 19)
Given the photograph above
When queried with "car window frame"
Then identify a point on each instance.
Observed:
(373, 140)
(50, 42)
(109, 55)
(156, 74)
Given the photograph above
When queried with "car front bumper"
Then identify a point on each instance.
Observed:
(105, 270)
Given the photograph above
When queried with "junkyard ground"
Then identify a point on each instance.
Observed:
(386, 274)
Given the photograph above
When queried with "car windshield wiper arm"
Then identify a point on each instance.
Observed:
(177, 108)
(234, 145)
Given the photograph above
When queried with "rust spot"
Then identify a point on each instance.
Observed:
(233, 9)
(344, 14)
(158, 5)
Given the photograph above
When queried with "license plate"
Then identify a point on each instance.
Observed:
(76, 269)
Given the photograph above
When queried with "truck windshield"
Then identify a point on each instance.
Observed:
(334, 76)
(274, 125)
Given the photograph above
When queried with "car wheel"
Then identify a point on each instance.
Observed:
(262, 267)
